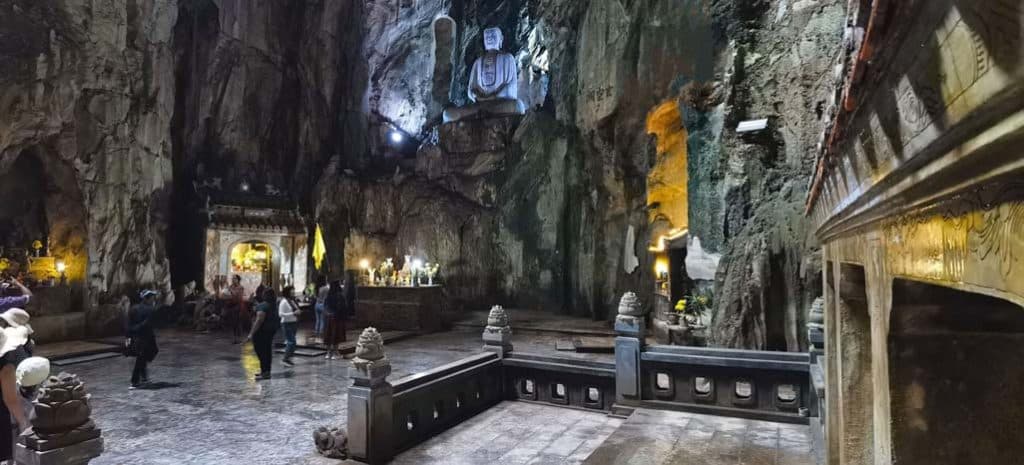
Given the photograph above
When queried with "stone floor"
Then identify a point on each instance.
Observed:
(656, 437)
(517, 433)
(206, 409)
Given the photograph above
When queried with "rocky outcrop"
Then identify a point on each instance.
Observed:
(88, 91)
(780, 67)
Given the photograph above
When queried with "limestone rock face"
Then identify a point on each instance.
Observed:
(88, 91)
(782, 68)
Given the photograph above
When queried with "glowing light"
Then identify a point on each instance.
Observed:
(661, 267)
(664, 239)
(417, 264)
(364, 264)
(61, 266)
(245, 186)
(397, 137)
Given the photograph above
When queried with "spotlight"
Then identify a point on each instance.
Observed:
(397, 137)
(364, 264)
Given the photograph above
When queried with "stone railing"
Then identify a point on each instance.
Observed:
(384, 419)
(428, 403)
(770, 386)
(560, 381)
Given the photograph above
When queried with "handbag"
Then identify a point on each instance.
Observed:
(131, 347)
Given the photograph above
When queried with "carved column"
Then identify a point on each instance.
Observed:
(631, 329)
(498, 333)
(370, 401)
(62, 432)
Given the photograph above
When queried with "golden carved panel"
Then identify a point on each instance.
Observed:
(975, 239)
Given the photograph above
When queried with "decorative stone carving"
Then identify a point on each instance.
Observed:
(370, 360)
(62, 406)
(630, 321)
(61, 429)
(493, 83)
(331, 442)
(498, 317)
(630, 305)
(498, 333)
(816, 323)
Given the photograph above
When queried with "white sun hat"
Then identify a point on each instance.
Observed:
(33, 371)
(14, 337)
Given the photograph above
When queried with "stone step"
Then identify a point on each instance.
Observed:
(76, 359)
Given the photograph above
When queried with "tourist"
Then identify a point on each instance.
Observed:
(20, 300)
(334, 331)
(12, 353)
(141, 337)
(234, 308)
(321, 299)
(262, 333)
(289, 312)
(18, 318)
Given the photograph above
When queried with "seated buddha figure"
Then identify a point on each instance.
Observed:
(493, 83)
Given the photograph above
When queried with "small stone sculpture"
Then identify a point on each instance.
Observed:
(331, 442)
(61, 428)
(62, 405)
(498, 317)
(816, 323)
(498, 333)
(370, 360)
(370, 346)
(630, 305)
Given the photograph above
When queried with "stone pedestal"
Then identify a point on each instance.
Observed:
(370, 401)
(76, 454)
(498, 334)
(484, 109)
(631, 328)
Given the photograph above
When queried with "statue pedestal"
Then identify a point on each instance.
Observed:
(484, 109)
(75, 454)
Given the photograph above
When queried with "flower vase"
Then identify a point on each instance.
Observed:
(672, 318)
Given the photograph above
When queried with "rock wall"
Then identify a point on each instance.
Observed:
(88, 91)
(128, 104)
(780, 61)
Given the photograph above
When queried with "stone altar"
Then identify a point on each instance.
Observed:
(493, 83)
(400, 308)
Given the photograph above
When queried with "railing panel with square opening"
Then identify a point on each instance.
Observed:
(428, 403)
(560, 381)
(751, 384)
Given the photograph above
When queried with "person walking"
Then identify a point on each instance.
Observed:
(322, 290)
(264, 327)
(288, 310)
(141, 337)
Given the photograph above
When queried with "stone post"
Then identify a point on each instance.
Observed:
(816, 329)
(630, 329)
(498, 333)
(62, 433)
(370, 401)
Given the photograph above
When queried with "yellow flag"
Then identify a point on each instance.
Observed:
(319, 249)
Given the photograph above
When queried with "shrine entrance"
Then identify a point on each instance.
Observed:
(254, 262)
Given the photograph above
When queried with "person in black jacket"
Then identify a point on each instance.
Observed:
(264, 326)
(139, 330)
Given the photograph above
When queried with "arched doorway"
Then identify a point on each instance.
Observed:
(255, 262)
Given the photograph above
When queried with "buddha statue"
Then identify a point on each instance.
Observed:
(493, 83)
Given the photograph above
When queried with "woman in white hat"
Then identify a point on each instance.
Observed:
(12, 353)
